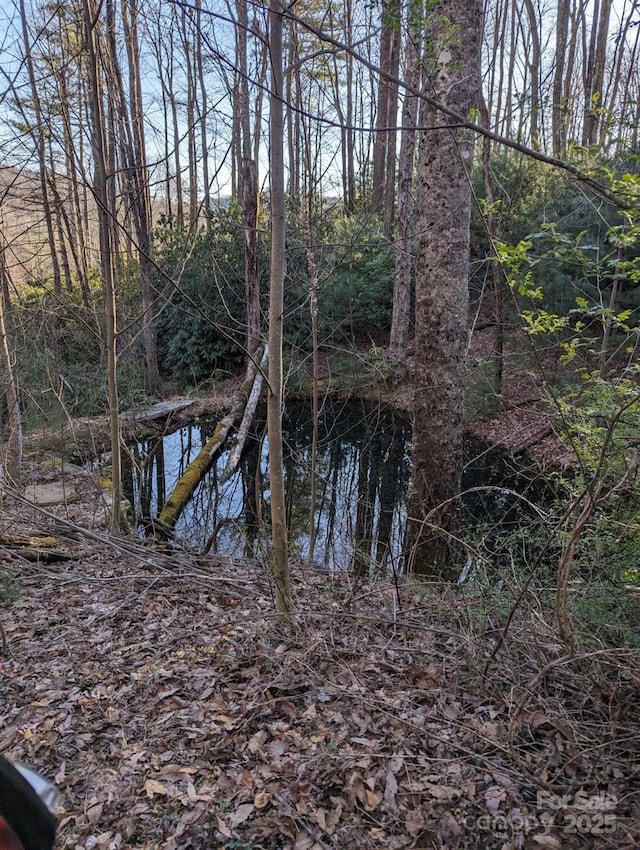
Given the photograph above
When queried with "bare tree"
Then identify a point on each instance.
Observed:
(39, 134)
(101, 194)
(400, 321)
(139, 196)
(383, 166)
(559, 108)
(12, 460)
(249, 186)
(276, 315)
(594, 71)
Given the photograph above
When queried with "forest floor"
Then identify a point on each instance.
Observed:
(173, 710)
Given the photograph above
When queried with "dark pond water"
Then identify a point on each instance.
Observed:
(361, 472)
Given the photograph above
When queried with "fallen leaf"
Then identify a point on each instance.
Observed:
(241, 814)
(257, 741)
(442, 792)
(371, 800)
(228, 722)
(493, 797)
(390, 790)
(414, 822)
(544, 840)
(152, 788)
(223, 828)
(261, 799)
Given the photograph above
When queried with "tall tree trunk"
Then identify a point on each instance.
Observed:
(203, 108)
(509, 107)
(442, 297)
(568, 92)
(293, 90)
(251, 255)
(78, 236)
(101, 194)
(165, 51)
(495, 270)
(384, 146)
(594, 70)
(559, 108)
(400, 320)
(350, 174)
(187, 46)
(276, 309)
(38, 133)
(341, 85)
(392, 133)
(140, 199)
(630, 109)
(616, 80)
(382, 115)
(12, 460)
(535, 69)
(249, 186)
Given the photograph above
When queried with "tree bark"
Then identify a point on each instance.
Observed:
(13, 449)
(392, 132)
(535, 71)
(38, 134)
(382, 115)
(594, 75)
(559, 108)
(101, 195)
(400, 321)
(140, 199)
(280, 552)
(442, 270)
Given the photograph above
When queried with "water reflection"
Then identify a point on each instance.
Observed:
(361, 469)
(361, 473)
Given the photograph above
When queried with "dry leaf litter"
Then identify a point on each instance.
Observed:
(173, 710)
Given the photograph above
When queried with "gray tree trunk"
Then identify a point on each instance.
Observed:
(140, 199)
(105, 230)
(559, 108)
(442, 271)
(280, 552)
(38, 132)
(399, 336)
(12, 460)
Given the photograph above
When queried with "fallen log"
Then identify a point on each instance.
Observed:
(243, 430)
(530, 441)
(197, 469)
(33, 541)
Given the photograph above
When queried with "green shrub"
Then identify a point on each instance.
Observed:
(356, 267)
(202, 327)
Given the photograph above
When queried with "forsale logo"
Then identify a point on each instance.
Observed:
(579, 801)
(587, 814)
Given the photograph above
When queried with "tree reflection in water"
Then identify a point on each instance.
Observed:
(362, 471)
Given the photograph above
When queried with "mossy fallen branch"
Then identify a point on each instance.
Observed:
(195, 472)
(31, 541)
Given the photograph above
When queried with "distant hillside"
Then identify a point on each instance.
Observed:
(23, 230)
